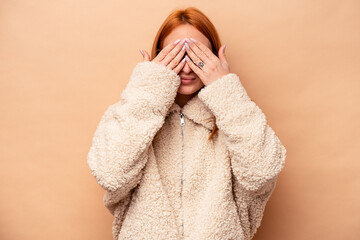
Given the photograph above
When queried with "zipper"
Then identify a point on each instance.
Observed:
(182, 124)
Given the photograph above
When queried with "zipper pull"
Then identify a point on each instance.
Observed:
(182, 121)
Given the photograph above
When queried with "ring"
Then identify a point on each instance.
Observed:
(200, 64)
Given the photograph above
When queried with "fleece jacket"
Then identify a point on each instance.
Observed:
(164, 179)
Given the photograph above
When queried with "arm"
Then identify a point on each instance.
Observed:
(256, 154)
(122, 138)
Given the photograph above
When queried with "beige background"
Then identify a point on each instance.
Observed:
(63, 62)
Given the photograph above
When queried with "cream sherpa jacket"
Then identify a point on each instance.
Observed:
(164, 179)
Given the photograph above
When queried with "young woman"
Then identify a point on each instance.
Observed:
(185, 153)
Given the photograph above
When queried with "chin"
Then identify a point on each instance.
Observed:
(189, 89)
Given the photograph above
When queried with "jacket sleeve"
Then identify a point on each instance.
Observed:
(126, 129)
(256, 154)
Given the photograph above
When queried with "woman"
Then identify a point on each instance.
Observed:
(185, 153)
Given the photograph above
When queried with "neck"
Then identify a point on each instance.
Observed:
(182, 99)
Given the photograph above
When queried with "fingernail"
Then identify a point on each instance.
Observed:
(187, 40)
(183, 48)
(187, 46)
(193, 40)
(141, 52)
(183, 60)
(186, 58)
(182, 41)
(177, 41)
(224, 47)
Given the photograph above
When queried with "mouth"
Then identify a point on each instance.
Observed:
(185, 80)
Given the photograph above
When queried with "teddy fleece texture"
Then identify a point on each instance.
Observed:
(164, 180)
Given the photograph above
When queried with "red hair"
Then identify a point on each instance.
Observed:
(196, 18)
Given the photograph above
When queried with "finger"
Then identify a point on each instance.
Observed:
(165, 51)
(173, 53)
(180, 66)
(199, 53)
(194, 67)
(207, 51)
(146, 56)
(193, 56)
(178, 57)
(221, 54)
(142, 53)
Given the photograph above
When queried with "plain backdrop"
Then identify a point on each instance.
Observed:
(62, 63)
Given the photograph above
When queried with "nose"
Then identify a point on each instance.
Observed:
(186, 69)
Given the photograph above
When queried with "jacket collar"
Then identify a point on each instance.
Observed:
(196, 110)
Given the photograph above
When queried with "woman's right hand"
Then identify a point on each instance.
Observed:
(169, 56)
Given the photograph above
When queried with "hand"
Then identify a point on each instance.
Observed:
(214, 67)
(170, 56)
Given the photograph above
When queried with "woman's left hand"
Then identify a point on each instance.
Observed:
(214, 67)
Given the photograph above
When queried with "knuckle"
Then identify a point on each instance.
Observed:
(178, 57)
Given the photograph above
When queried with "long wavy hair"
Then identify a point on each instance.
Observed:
(196, 18)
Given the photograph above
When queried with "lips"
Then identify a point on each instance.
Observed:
(187, 78)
